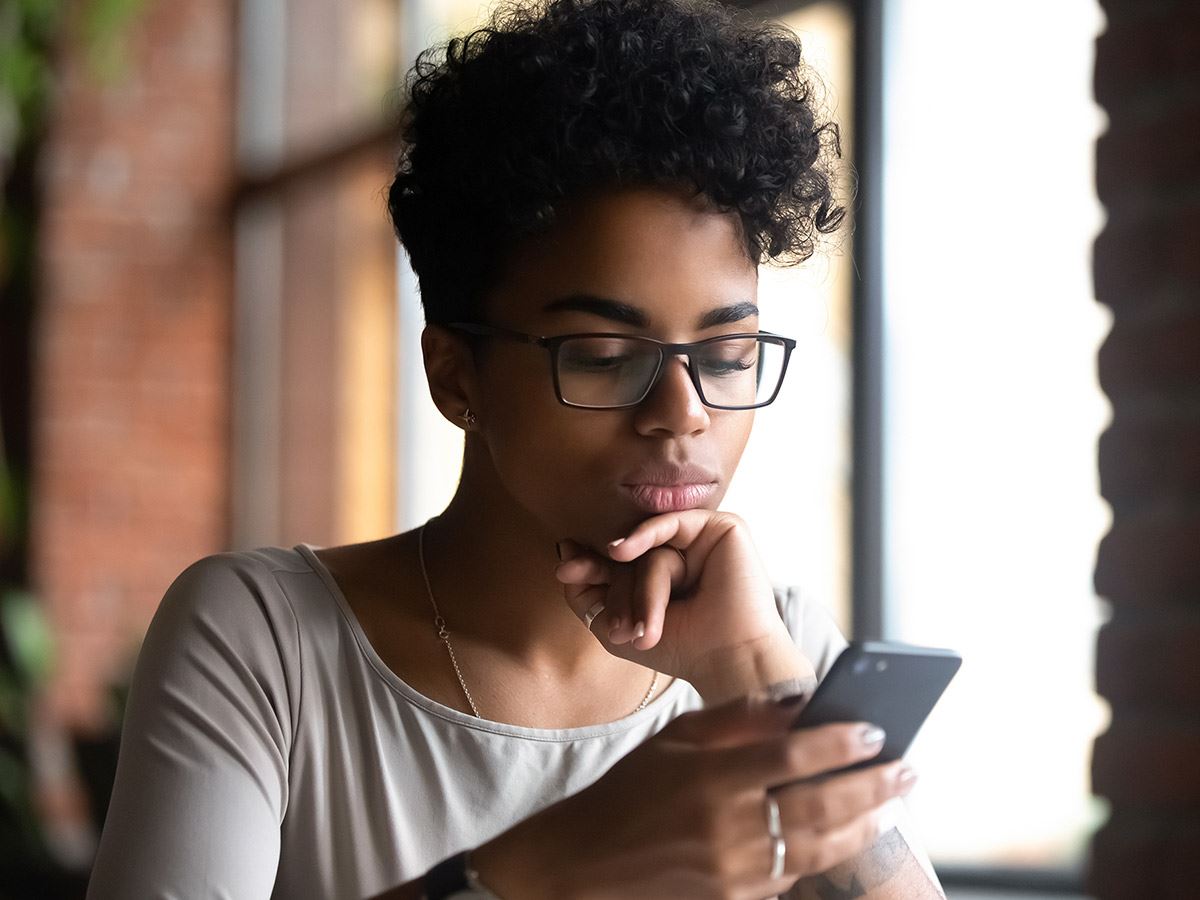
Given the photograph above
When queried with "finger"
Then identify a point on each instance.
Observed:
(654, 577)
(620, 627)
(799, 754)
(810, 852)
(584, 569)
(581, 598)
(744, 720)
(690, 529)
(832, 802)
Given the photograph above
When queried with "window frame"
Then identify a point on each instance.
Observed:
(868, 613)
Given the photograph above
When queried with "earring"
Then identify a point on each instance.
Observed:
(469, 418)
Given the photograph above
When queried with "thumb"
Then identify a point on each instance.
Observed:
(743, 720)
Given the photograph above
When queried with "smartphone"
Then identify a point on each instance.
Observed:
(889, 684)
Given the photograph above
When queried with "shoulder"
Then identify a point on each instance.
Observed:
(230, 602)
(812, 627)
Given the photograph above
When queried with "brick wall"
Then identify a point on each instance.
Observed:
(131, 340)
(1147, 271)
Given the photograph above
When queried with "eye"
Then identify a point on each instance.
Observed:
(726, 366)
(596, 363)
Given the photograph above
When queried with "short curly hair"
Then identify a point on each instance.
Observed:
(553, 98)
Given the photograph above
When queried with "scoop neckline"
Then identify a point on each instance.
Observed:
(583, 732)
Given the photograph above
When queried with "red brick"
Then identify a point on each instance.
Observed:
(1138, 259)
(1160, 356)
(1148, 760)
(1150, 663)
(1150, 460)
(1151, 558)
(1140, 854)
(132, 353)
(1136, 58)
(1156, 158)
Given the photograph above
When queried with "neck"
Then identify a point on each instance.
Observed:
(491, 570)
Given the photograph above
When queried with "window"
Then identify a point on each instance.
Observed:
(991, 503)
(314, 334)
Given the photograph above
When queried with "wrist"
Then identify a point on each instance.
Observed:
(753, 667)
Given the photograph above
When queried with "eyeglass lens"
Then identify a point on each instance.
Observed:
(612, 371)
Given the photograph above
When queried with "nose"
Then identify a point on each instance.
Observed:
(672, 406)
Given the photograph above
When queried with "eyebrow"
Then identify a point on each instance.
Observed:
(608, 308)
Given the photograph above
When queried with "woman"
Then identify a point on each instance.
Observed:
(502, 701)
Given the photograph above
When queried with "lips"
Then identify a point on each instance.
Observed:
(669, 487)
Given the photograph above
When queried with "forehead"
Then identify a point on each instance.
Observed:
(650, 248)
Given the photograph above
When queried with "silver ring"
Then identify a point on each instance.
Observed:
(590, 615)
(778, 855)
(775, 830)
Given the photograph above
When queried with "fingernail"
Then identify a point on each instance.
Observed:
(639, 630)
(905, 779)
(872, 736)
(790, 702)
(616, 543)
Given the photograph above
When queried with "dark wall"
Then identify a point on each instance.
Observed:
(1147, 271)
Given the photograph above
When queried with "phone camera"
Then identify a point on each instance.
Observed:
(880, 665)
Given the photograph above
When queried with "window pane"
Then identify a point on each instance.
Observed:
(342, 70)
(314, 372)
(992, 500)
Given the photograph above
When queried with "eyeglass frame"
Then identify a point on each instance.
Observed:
(552, 344)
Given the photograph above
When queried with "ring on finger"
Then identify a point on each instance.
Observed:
(775, 830)
(590, 615)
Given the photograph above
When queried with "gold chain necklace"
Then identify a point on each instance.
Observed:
(444, 633)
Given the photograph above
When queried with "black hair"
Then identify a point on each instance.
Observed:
(553, 98)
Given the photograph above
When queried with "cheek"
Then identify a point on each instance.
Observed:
(561, 465)
(553, 460)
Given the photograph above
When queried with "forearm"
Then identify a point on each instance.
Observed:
(888, 870)
(517, 863)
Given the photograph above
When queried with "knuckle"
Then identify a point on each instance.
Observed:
(794, 756)
(819, 808)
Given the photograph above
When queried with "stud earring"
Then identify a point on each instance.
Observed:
(469, 418)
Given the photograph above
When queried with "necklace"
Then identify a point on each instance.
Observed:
(444, 633)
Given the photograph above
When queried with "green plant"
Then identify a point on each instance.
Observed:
(31, 37)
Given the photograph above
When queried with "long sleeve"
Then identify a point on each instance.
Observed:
(202, 778)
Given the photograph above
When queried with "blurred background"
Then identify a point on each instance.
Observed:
(990, 439)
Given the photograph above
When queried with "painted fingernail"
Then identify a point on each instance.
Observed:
(792, 701)
(872, 736)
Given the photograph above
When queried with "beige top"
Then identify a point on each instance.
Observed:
(269, 752)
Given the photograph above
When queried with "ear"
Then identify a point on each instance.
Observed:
(450, 371)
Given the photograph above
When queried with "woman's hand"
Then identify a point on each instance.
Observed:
(684, 814)
(684, 593)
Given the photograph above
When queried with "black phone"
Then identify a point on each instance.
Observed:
(887, 683)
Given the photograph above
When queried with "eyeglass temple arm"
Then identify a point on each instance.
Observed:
(495, 331)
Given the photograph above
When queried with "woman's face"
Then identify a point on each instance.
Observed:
(640, 261)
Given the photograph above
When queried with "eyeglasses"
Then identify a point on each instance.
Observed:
(617, 371)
